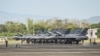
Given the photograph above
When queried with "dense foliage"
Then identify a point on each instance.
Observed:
(11, 28)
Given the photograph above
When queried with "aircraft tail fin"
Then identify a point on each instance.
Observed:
(84, 32)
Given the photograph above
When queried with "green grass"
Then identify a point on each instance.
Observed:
(11, 42)
(97, 40)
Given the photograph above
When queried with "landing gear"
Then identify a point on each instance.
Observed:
(77, 42)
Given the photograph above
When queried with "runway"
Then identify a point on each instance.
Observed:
(50, 50)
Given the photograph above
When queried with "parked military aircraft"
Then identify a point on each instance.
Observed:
(63, 36)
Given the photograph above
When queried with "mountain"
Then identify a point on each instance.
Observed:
(4, 16)
(94, 19)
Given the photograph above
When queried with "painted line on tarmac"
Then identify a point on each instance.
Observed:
(60, 49)
(51, 53)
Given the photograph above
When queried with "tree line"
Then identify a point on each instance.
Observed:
(11, 28)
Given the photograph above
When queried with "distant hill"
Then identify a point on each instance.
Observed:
(95, 19)
(4, 16)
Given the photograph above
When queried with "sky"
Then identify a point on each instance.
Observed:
(81, 9)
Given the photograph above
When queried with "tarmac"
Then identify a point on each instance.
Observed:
(50, 50)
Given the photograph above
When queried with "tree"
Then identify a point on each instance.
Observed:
(55, 23)
(71, 25)
(30, 26)
(65, 24)
(3, 28)
(58, 23)
(41, 25)
(85, 24)
(20, 27)
(10, 26)
(13, 28)
(74, 23)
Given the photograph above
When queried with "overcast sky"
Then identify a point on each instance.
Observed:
(82, 9)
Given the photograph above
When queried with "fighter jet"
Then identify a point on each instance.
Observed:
(75, 36)
(56, 36)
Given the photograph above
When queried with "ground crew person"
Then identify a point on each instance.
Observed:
(6, 42)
